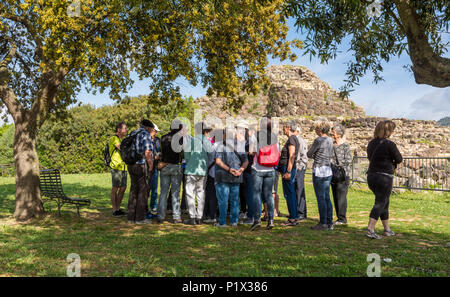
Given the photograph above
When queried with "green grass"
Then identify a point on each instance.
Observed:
(110, 247)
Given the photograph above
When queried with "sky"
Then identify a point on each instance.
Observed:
(398, 96)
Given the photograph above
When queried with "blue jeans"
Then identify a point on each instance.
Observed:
(322, 190)
(225, 192)
(248, 186)
(262, 188)
(289, 193)
(154, 190)
(171, 176)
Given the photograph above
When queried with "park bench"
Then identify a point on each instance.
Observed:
(51, 188)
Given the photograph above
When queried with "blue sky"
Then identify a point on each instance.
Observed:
(397, 96)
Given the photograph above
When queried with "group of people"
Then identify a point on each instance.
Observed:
(223, 171)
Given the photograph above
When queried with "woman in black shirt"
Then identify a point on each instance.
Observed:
(384, 158)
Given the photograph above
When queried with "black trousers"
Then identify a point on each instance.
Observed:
(138, 193)
(211, 209)
(300, 191)
(381, 186)
(243, 193)
(340, 191)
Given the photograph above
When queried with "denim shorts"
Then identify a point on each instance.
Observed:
(119, 178)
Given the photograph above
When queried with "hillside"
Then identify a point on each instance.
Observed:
(444, 121)
(297, 93)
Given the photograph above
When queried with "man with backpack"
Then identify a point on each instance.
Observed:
(137, 152)
(118, 168)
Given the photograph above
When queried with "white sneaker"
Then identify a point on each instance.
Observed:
(144, 222)
(234, 225)
(220, 226)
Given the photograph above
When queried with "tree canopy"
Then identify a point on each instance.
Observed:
(378, 30)
(214, 43)
(49, 50)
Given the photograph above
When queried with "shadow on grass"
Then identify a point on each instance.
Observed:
(98, 195)
(109, 246)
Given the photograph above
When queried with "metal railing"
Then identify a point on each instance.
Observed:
(414, 173)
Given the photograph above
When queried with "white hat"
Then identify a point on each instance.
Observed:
(156, 128)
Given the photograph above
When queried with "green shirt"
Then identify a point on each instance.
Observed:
(197, 158)
(116, 160)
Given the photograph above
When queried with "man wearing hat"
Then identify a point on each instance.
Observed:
(140, 173)
(153, 189)
(196, 156)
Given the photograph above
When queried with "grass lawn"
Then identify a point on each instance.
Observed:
(108, 246)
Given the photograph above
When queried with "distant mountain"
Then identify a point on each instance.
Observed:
(444, 121)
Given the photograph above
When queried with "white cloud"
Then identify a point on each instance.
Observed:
(433, 106)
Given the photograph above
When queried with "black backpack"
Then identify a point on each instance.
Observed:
(107, 156)
(128, 150)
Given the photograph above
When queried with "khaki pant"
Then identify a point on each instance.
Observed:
(195, 187)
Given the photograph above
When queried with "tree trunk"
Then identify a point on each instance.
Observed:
(428, 67)
(28, 196)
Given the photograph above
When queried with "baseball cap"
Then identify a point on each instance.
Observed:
(156, 128)
(147, 123)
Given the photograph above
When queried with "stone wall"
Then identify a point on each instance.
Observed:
(413, 138)
(293, 90)
(297, 93)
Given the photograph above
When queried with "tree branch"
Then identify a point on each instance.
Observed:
(12, 52)
(397, 21)
(46, 96)
(428, 67)
(6, 94)
(30, 29)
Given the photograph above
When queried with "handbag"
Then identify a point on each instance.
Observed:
(338, 171)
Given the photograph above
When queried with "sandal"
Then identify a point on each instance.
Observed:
(389, 233)
(290, 223)
(372, 235)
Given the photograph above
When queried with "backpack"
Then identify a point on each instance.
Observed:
(107, 156)
(128, 150)
(268, 155)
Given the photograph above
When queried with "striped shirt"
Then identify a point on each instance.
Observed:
(143, 143)
(321, 151)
